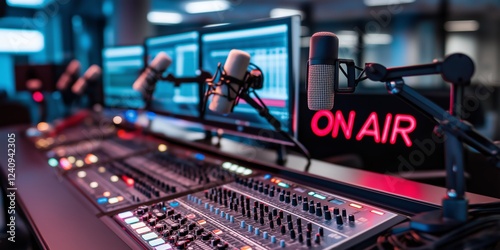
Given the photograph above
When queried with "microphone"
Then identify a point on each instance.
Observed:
(235, 70)
(145, 83)
(92, 74)
(321, 68)
(69, 74)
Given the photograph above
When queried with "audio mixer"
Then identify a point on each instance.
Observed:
(263, 212)
(87, 152)
(151, 176)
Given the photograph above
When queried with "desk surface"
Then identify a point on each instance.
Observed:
(64, 219)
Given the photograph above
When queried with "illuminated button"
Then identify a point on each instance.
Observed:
(53, 162)
(226, 165)
(202, 222)
(125, 214)
(337, 201)
(149, 236)
(79, 163)
(355, 205)
(246, 248)
(156, 242)
(267, 176)
(247, 172)
(102, 200)
(163, 247)
(282, 184)
(101, 169)
(113, 200)
(162, 147)
(137, 225)
(131, 220)
(114, 178)
(174, 203)
(377, 212)
(71, 159)
(143, 230)
(106, 194)
(217, 231)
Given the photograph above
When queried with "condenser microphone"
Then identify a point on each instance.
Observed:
(323, 56)
(71, 73)
(145, 83)
(93, 73)
(235, 67)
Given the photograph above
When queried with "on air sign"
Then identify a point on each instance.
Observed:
(395, 127)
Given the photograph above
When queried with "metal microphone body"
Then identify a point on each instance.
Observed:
(92, 74)
(236, 66)
(323, 56)
(147, 80)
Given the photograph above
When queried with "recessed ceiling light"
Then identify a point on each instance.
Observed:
(206, 6)
(160, 17)
(386, 2)
(461, 26)
(281, 12)
(26, 3)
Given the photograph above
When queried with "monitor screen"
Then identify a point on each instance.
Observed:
(273, 47)
(121, 67)
(184, 100)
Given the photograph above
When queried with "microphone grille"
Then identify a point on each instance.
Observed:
(320, 92)
(324, 33)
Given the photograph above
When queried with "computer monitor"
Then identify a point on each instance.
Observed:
(273, 45)
(121, 67)
(182, 101)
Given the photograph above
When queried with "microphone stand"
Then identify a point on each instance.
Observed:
(201, 79)
(243, 92)
(456, 69)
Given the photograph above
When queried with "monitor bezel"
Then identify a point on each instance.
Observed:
(104, 71)
(293, 23)
(200, 88)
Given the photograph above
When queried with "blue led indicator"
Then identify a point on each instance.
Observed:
(102, 200)
(267, 177)
(174, 203)
(131, 115)
(199, 156)
(337, 201)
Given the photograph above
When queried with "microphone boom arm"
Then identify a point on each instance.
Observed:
(457, 69)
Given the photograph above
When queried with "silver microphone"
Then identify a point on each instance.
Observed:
(236, 66)
(323, 56)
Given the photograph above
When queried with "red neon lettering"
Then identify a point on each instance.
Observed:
(314, 123)
(387, 125)
(397, 129)
(372, 121)
(341, 123)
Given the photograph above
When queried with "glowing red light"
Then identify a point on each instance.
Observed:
(403, 131)
(371, 127)
(38, 96)
(129, 181)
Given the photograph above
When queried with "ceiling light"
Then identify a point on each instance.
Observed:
(386, 2)
(160, 17)
(206, 6)
(27, 3)
(21, 41)
(280, 12)
(461, 26)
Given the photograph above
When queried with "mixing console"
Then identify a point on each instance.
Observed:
(151, 176)
(89, 152)
(265, 212)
